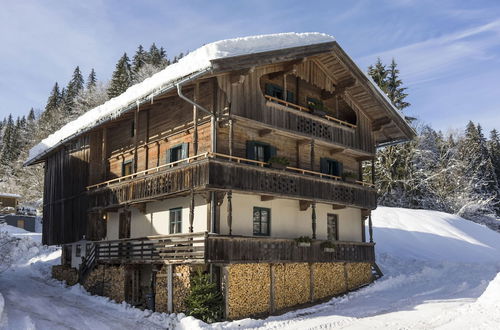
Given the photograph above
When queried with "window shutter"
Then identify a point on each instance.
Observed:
(251, 149)
(340, 169)
(272, 152)
(185, 150)
(168, 156)
(323, 165)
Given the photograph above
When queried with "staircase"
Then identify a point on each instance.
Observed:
(376, 272)
(88, 263)
(2, 219)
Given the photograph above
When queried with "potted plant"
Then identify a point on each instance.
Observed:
(279, 162)
(350, 177)
(316, 106)
(328, 246)
(303, 241)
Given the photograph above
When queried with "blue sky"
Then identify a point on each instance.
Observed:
(448, 51)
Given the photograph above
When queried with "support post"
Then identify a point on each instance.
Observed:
(191, 212)
(312, 155)
(313, 218)
(170, 294)
(231, 136)
(370, 229)
(297, 150)
(213, 212)
(136, 131)
(104, 152)
(230, 211)
(195, 119)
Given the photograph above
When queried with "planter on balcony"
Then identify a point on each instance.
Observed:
(303, 244)
(329, 249)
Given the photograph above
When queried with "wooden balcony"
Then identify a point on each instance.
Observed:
(212, 248)
(214, 171)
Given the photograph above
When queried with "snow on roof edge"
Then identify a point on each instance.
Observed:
(198, 60)
(9, 195)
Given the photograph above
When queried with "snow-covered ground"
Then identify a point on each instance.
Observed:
(441, 271)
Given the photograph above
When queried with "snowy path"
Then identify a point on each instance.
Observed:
(441, 272)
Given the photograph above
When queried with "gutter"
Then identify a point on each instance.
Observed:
(213, 145)
(134, 105)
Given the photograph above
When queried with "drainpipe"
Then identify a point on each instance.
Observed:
(213, 146)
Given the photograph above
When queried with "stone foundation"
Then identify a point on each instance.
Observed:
(65, 273)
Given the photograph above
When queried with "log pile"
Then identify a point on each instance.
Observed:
(181, 286)
(161, 291)
(358, 274)
(291, 284)
(329, 279)
(248, 290)
(65, 273)
(108, 281)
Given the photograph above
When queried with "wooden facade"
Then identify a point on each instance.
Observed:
(127, 160)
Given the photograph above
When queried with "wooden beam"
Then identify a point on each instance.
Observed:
(265, 198)
(230, 211)
(141, 207)
(104, 154)
(191, 211)
(312, 155)
(195, 119)
(264, 132)
(379, 124)
(338, 207)
(313, 219)
(231, 136)
(304, 205)
(336, 151)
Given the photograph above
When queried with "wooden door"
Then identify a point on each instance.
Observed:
(20, 223)
(124, 225)
(332, 227)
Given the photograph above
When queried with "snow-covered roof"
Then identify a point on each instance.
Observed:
(196, 61)
(9, 195)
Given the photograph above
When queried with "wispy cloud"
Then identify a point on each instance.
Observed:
(435, 58)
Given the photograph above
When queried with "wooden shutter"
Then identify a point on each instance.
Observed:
(185, 150)
(250, 149)
(323, 165)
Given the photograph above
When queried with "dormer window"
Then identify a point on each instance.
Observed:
(278, 92)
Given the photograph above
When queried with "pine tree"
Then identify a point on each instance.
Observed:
(394, 89)
(7, 153)
(139, 60)
(204, 301)
(91, 80)
(494, 150)
(75, 86)
(122, 78)
(54, 100)
(379, 73)
(157, 57)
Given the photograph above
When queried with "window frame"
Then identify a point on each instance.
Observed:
(260, 209)
(175, 224)
(125, 163)
(325, 164)
(271, 90)
(336, 219)
(184, 152)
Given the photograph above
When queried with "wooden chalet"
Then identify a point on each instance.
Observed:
(222, 169)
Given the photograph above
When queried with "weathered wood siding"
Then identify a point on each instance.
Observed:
(64, 198)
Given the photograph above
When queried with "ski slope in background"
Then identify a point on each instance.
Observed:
(441, 272)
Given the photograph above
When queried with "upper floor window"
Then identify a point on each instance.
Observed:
(177, 152)
(278, 92)
(261, 221)
(331, 167)
(127, 167)
(260, 151)
(176, 220)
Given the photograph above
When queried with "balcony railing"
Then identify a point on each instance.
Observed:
(223, 172)
(307, 110)
(203, 247)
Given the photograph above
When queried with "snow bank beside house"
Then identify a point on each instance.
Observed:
(196, 61)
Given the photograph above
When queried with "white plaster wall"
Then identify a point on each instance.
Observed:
(287, 221)
(156, 219)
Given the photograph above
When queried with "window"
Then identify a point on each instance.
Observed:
(331, 166)
(277, 92)
(315, 104)
(177, 152)
(332, 227)
(176, 220)
(260, 151)
(127, 167)
(124, 225)
(261, 221)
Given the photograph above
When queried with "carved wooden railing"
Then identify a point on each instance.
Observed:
(307, 110)
(241, 249)
(203, 247)
(218, 171)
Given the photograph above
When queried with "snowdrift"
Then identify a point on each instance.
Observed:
(431, 235)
